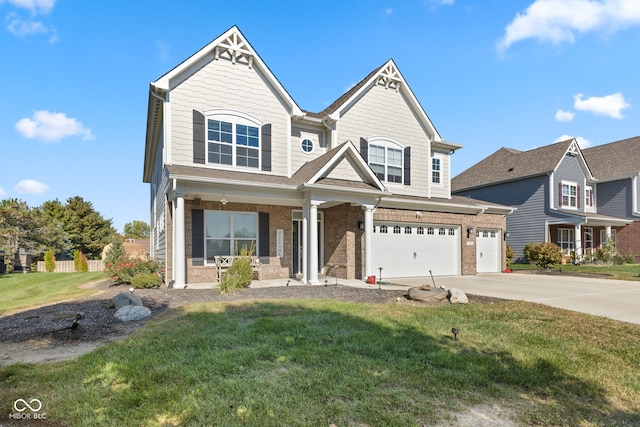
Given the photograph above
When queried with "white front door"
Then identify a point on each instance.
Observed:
(414, 250)
(488, 251)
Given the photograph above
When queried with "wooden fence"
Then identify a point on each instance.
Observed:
(67, 266)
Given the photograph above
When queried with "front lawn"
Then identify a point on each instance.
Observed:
(618, 272)
(20, 291)
(313, 363)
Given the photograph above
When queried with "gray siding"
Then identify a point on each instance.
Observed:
(569, 170)
(527, 224)
(614, 198)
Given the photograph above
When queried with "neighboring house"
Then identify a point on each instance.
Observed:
(233, 160)
(578, 199)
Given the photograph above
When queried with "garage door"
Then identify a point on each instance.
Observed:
(488, 251)
(409, 250)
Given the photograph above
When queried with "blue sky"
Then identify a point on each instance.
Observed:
(74, 76)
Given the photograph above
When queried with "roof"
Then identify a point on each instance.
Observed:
(620, 159)
(508, 164)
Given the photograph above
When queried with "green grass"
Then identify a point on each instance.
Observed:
(20, 291)
(618, 272)
(313, 363)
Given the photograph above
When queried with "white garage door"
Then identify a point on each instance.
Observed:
(409, 250)
(488, 251)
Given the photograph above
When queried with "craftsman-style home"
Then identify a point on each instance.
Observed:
(357, 190)
(578, 199)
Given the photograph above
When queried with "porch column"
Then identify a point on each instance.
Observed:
(578, 243)
(179, 256)
(313, 243)
(368, 241)
(305, 243)
(608, 233)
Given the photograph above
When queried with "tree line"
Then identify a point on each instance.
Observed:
(60, 227)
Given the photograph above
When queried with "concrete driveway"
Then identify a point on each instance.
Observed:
(615, 299)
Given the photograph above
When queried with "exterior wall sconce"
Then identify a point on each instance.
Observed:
(223, 201)
(469, 231)
(360, 225)
(197, 201)
(506, 234)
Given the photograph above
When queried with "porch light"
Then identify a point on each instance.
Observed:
(506, 234)
(469, 231)
(360, 225)
(197, 201)
(223, 201)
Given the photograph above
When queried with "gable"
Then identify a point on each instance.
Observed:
(345, 170)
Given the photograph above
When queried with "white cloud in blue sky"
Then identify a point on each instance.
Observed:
(609, 105)
(564, 116)
(558, 21)
(582, 142)
(51, 127)
(23, 26)
(34, 6)
(30, 186)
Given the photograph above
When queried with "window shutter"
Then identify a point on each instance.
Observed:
(263, 234)
(197, 236)
(560, 195)
(198, 137)
(578, 197)
(364, 149)
(266, 147)
(407, 166)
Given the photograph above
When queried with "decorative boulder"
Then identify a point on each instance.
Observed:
(456, 296)
(427, 294)
(123, 299)
(132, 312)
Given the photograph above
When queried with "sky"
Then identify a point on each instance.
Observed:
(74, 76)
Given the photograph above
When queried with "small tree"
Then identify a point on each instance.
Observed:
(240, 273)
(80, 263)
(49, 261)
(543, 255)
(509, 254)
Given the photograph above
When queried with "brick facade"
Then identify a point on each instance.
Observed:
(628, 240)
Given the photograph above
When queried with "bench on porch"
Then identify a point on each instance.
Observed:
(223, 262)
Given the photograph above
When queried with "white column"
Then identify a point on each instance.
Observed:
(305, 243)
(578, 242)
(179, 254)
(313, 244)
(368, 241)
(608, 233)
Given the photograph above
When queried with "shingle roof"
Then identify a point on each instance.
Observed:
(508, 164)
(614, 160)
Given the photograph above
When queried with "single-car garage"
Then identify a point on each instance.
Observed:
(406, 250)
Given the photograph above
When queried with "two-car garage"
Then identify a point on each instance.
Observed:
(414, 250)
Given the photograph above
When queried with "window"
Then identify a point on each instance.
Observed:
(407, 230)
(430, 231)
(396, 229)
(588, 240)
(441, 232)
(227, 232)
(383, 229)
(569, 195)
(420, 230)
(435, 170)
(566, 240)
(603, 237)
(588, 196)
(452, 232)
(386, 163)
(306, 145)
(233, 144)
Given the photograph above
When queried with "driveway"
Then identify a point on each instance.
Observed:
(615, 299)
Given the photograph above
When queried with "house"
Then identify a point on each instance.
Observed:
(357, 190)
(578, 199)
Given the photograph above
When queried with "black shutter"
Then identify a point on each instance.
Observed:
(407, 166)
(266, 147)
(263, 234)
(364, 149)
(197, 236)
(198, 137)
(578, 197)
(560, 195)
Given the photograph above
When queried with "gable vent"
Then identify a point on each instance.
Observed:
(235, 49)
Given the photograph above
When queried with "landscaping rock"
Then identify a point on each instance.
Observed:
(419, 293)
(124, 299)
(456, 296)
(132, 312)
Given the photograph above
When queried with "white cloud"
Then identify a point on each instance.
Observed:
(22, 28)
(34, 6)
(30, 186)
(609, 105)
(564, 116)
(51, 127)
(558, 21)
(582, 141)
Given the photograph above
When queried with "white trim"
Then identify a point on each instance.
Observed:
(232, 115)
(635, 183)
(440, 158)
(569, 184)
(313, 145)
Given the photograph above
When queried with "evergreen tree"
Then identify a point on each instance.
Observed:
(88, 231)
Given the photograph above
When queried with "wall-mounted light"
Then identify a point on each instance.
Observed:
(418, 214)
(469, 231)
(223, 201)
(360, 225)
(506, 234)
(197, 201)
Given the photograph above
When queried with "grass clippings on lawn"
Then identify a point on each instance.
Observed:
(317, 362)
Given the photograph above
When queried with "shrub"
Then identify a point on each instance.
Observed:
(49, 261)
(543, 255)
(146, 280)
(607, 253)
(510, 253)
(124, 269)
(240, 273)
(80, 263)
